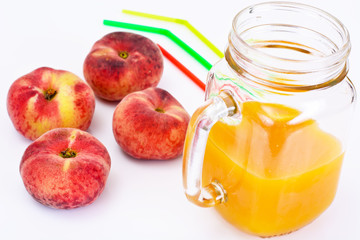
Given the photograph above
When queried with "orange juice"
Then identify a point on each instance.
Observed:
(279, 173)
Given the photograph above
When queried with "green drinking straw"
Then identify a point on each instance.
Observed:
(179, 21)
(161, 31)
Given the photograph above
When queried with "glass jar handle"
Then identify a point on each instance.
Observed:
(197, 134)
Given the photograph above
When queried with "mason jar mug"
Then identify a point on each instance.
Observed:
(266, 148)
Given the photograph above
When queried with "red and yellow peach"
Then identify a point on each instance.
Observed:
(150, 124)
(65, 168)
(46, 99)
(121, 63)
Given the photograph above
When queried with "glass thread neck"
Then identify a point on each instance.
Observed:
(296, 56)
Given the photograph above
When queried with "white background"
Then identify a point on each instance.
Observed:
(142, 199)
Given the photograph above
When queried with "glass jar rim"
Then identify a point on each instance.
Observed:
(339, 55)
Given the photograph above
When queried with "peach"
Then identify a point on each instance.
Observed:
(121, 63)
(46, 99)
(150, 124)
(65, 168)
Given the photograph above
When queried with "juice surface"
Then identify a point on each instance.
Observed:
(279, 174)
